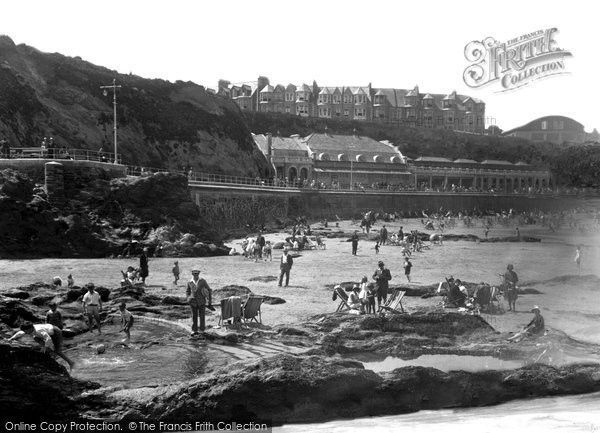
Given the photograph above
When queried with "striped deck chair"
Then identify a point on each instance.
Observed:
(343, 297)
(251, 309)
(393, 302)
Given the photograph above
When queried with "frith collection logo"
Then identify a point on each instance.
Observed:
(515, 63)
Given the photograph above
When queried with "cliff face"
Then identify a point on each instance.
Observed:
(103, 217)
(161, 124)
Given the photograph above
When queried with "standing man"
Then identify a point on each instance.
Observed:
(198, 295)
(510, 283)
(285, 266)
(260, 240)
(383, 235)
(354, 240)
(407, 267)
(92, 304)
(144, 265)
(400, 233)
(381, 276)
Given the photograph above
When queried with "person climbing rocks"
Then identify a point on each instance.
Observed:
(46, 335)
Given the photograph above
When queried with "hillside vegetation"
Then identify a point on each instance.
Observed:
(161, 124)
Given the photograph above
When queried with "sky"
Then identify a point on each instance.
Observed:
(396, 44)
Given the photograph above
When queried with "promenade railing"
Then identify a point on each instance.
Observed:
(223, 179)
(274, 183)
(60, 153)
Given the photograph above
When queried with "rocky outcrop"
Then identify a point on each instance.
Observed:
(102, 218)
(312, 386)
(287, 389)
(35, 387)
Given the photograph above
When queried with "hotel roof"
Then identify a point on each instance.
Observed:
(496, 162)
(358, 145)
(279, 143)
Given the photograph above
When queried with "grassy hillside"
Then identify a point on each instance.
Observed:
(161, 124)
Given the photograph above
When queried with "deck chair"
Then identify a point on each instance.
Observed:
(251, 309)
(393, 302)
(231, 310)
(343, 296)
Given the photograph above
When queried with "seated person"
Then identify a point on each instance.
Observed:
(455, 295)
(535, 328)
(354, 300)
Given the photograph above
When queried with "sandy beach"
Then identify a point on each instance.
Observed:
(537, 264)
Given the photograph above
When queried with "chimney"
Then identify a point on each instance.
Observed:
(262, 82)
(223, 84)
(269, 146)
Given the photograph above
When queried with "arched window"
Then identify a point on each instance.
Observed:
(360, 158)
(324, 156)
(377, 158)
(342, 157)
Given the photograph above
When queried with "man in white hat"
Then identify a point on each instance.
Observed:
(285, 266)
(199, 296)
(534, 328)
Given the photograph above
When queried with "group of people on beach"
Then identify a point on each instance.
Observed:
(49, 335)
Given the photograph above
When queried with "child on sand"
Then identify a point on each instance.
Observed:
(176, 272)
(407, 267)
(267, 253)
(377, 247)
(126, 321)
(371, 298)
(70, 281)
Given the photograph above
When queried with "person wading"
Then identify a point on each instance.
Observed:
(92, 304)
(199, 295)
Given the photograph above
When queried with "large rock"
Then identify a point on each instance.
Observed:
(35, 387)
(14, 312)
(76, 293)
(231, 290)
(288, 389)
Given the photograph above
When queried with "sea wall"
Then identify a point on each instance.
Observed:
(230, 207)
(74, 171)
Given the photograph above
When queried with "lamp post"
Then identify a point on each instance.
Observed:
(351, 183)
(114, 87)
